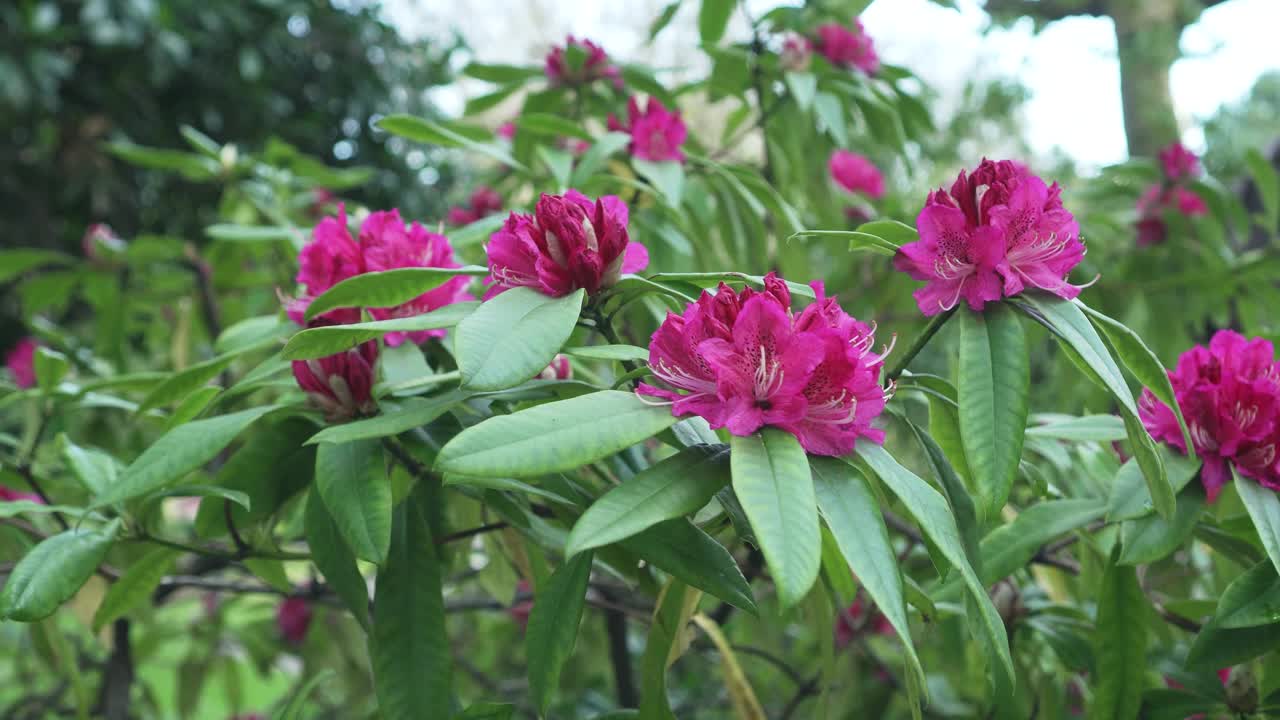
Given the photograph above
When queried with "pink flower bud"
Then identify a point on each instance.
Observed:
(559, 369)
(98, 238)
(561, 70)
(797, 53)
(1179, 163)
(857, 174)
(341, 385)
(848, 48)
(293, 619)
(21, 362)
(8, 494)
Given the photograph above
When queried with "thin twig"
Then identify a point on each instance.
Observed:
(471, 532)
(917, 345)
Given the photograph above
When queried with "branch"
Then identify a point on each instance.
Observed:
(1045, 10)
(470, 532)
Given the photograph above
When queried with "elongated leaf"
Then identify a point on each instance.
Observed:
(894, 232)
(177, 453)
(352, 480)
(713, 19)
(477, 232)
(934, 517)
(608, 352)
(334, 558)
(513, 337)
(1089, 428)
(677, 486)
(1267, 182)
(414, 412)
(772, 481)
(712, 279)
(667, 177)
(552, 125)
(855, 521)
(802, 86)
(250, 233)
(741, 695)
(857, 240)
(178, 386)
(292, 710)
(994, 381)
(487, 711)
(675, 606)
(409, 647)
(1216, 646)
(557, 436)
(1151, 538)
(1264, 509)
(553, 626)
(94, 469)
(1065, 320)
(190, 165)
(956, 494)
(332, 339)
(423, 131)
(1129, 495)
(387, 288)
(680, 549)
(17, 261)
(135, 587)
(50, 367)
(53, 571)
(1251, 600)
(1120, 646)
(594, 158)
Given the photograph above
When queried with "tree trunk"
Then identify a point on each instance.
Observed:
(1147, 35)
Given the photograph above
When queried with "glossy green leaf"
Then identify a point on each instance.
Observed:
(553, 626)
(352, 480)
(551, 125)
(608, 352)
(1151, 538)
(1120, 646)
(857, 240)
(51, 572)
(679, 485)
(1252, 599)
(893, 232)
(674, 607)
(411, 413)
(409, 647)
(250, 234)
(332, 339)
(680, 549)
(772, 481)
(1089, 428)
(423, 131)
(667, 177)
(182, 384)
(178, 452)
(94, 468)
(16, 261)
(934, 517)
(1264, 509)
(387, 288)
(956, 494)
(713, 19)
(1216, 646)
(1129, 495)
(50, 367)
(513, 337)
(475, 233)
(191, 166)
(855, 521)
(498, 73)
(333, 557)
(135, 587)
(994, 382)
(553, 437)
(595, 157)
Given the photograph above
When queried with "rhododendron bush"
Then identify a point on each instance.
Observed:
(664, 419)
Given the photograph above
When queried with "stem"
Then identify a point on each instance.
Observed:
(918, 344)
(470, 532)
(218, 552)
(605, 326)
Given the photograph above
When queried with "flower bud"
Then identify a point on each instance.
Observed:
(342, 384)
(293, 619)
(559, 369)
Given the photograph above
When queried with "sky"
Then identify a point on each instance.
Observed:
(1070, 67)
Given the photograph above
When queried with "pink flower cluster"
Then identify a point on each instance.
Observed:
(21, 362)
(569, 242)
(1229, 394)
(857, 174)
(744, 360)
(996, 233)
(1179, 166)
(848, 47)
(656, 133)
(484, 202)
(595, 66)
(385, 244)
(341, 385)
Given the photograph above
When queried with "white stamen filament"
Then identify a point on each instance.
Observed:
(768, 376)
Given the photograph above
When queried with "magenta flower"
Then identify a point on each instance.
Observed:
(293, 618)
(854, 621)
(99, 237)
(341, 385)
(507, 131)
(21, 362)
(984, 244)
(656, 133)
(855, 173)
(1229, 394)
(1179, 166)
(1179, 163)
(484, 202)
(559, 369)
(797, 53)
(8, 494)
(744, 360)
(569, 242)
(848, 48)
(594, 67)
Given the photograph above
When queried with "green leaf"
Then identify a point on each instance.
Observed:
(553, 626)
(248, 333)
(19, 260)
(772, 481)
(679, 485)
(53, 571)
(332, 339)
(667, 177)
(419, 130)
(680, 549)
(251, 234)
(1216, 646)
(1264, 509)
(1087, 428)
(1268, 185)
(352, 480)
(892, 232)
(180, 385)
(713, 19)
(855, 521)
(1143, 363)
(608, 352)
(192, 166)
(409, 646)
(135, 587)
(1120, 646)
(334, 559)
(1252, 599)
(663, 19)
(487, 711)
(1129, 495)
(558, 162)
(501, 74)
(934, 517)
(476, 232)
(711, 279)
(956, 494)
(387, 288)
(675, 606)
(412, 413)
(803, 86)
(552, 125)
(553, 437)
(178, 452)
(831, 117)
(50, 367)
(594, 158)
(1151, 538)
(857, 240)
(994, 380)
(293, 709)
(513, 337)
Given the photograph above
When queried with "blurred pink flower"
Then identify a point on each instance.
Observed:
(744, 361)
(797, 53)
(484, 202)
(595, 66)
(341, 384)
(1157, 200)
(100, 237)
(8, 494)
(853, 622)
(855, 173)
(521, 609)
(507, 131)
(984, 244)
(656, 133)
(848, 48)
(1229, 394)
(1179, 163)
(559, 369)
(21, 362)
(569, 242)
(293, 619)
